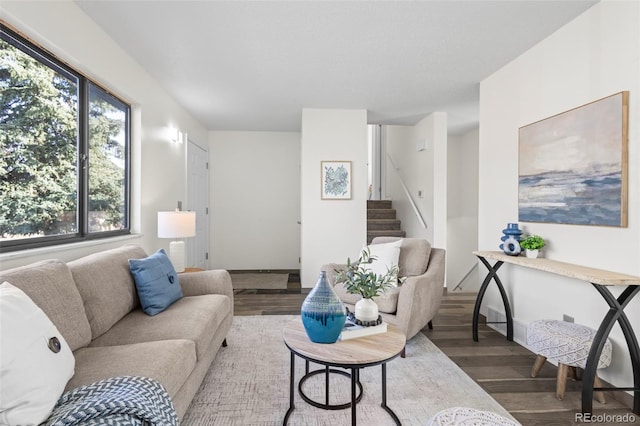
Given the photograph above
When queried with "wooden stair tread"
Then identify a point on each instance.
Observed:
(381, 220)
(378, 204)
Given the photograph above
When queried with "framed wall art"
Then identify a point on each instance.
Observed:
(336, 180)
(573, 166)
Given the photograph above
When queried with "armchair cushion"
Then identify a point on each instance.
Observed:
(414, 254)
(386, 257)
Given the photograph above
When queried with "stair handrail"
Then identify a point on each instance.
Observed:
(408, 193)
(475, 265)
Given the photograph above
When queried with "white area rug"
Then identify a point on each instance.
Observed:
(248, 384)
(266, 281)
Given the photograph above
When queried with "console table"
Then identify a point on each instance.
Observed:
(600, 280)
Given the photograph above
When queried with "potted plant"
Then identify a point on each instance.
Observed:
(358, 279)
(532, 244)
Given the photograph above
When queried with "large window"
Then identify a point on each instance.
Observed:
(64, 170)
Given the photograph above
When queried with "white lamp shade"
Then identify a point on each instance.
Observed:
(176, 224)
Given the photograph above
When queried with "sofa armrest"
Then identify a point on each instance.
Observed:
(420, 296)
(207, 282)
(330, 269)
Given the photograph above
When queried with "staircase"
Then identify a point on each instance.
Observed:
(381, 220)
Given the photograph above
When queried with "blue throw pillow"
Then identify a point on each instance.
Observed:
(156, 281)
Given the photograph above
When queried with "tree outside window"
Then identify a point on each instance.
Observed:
(65, 152)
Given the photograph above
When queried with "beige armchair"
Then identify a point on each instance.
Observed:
(418, 298)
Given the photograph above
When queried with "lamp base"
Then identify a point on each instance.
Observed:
(176, 255)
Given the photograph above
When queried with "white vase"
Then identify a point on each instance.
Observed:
(531, 253)
(366, 310)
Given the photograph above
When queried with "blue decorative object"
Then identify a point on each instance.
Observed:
(323, 314)
(156, 281)
(511, 230)
(511, 246)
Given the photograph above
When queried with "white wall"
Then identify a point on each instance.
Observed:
(255, 188)
(158, 165)
(462, 209)
(595, 55)
(332, 230)
(424, 171)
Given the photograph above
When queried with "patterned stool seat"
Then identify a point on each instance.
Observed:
(565, 342)
(465, 416)
(568, 344)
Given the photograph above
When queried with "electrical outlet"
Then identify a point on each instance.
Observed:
(567, 318)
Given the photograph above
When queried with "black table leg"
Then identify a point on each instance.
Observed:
(492, 275)
(615, 313)
(326, 385)
(354, 375)
(384, 396)
(291, 389)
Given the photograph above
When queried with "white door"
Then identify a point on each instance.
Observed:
(198, 201)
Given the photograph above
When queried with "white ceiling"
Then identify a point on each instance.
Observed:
(239, 65)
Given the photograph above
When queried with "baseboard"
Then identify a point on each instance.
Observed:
(294, 274)
(519, 328)
(264, 271)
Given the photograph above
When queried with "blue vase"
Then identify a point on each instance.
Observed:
(511, 246)
(323, 313)
(511, 230)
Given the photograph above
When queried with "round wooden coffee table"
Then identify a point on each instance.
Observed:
(352, 354)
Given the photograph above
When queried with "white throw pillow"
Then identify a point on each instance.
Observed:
(32, 375)
(386, 257)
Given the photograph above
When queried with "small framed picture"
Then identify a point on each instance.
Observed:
(336, 180)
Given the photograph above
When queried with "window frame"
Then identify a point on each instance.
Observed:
(15, 39)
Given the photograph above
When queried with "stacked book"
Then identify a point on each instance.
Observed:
(351, 330)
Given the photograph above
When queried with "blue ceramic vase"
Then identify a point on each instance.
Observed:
(511, 239)
(323, 313)
(511, 246)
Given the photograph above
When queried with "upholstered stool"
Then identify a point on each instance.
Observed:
(465, 416)
(568, 344)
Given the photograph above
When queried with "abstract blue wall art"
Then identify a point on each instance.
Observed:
(573, 166)
(336, 180)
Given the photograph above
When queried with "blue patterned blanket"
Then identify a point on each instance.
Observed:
(121, 401)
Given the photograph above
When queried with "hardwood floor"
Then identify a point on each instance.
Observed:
(500, 367)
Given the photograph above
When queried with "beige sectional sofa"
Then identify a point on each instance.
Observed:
(94, 304)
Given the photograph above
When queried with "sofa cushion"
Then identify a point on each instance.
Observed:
(194, 318)
(106, 285)
(168, 361)
(156, 281)
(50, 285)
(414, 254)
(35, 360)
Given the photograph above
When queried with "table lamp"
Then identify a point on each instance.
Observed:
(176, 224)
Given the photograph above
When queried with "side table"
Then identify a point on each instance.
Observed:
(352, 354)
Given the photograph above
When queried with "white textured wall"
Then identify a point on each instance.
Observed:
(595, 55)
(332, 230)
(158, 165)
(255, 193)
(424, 171)
(462, 201)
